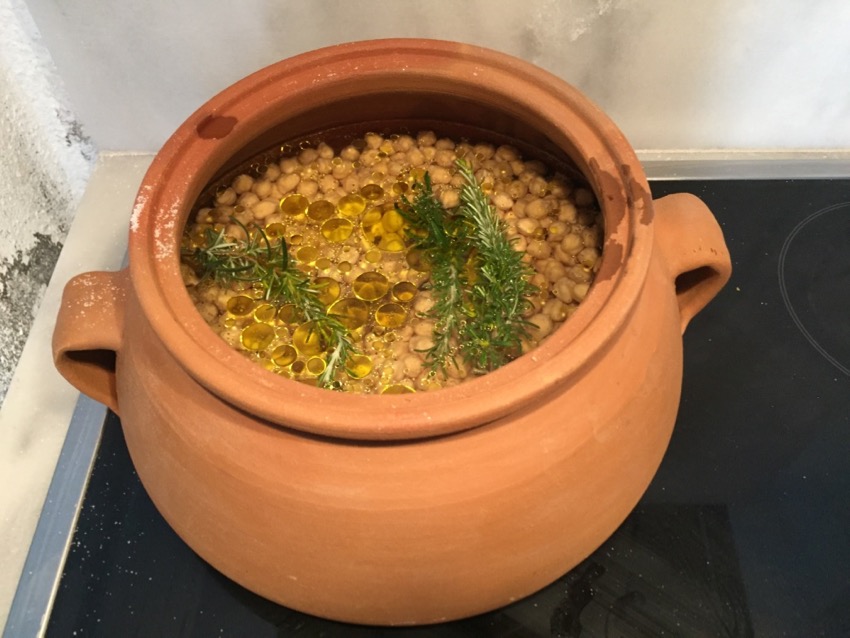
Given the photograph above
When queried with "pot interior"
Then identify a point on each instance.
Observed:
(338, 122)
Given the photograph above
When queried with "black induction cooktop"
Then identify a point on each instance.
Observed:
(745, 530)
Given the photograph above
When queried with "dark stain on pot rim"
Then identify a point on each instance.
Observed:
(215, 127)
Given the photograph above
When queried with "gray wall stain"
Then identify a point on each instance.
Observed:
(23, 280)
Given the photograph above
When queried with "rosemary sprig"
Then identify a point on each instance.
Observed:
(442, 238)
(493, 335)
(479, 281)
(258, 258)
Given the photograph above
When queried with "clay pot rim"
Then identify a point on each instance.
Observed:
(187, 161)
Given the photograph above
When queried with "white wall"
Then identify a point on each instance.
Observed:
(674, 74)
(45, 162)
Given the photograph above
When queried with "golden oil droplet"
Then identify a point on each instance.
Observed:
(296, 240)
(323, 263)
(390, 315)
(294, 205)
(392, 221)
(416, 175)
(297, 367)
(372, 192)
(315, 366)
(321, 209)
(230, 322)
(257, 336)
(372, 227)
(387, 147)
(351, 205)
(400, 188)
(337, 229)
(344, 267)
(275, 230)
(307, 254)
(288, 313)
(373, 255)
(265, 313)
(391, 243)
(397, 388)
(404, 291)
(307, 340)
(240, 305)
(350, 312)
(358, 366)
(328, 289)
(370, 286)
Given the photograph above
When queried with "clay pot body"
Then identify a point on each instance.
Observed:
(407, 508)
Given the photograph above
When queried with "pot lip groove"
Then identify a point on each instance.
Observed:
(177, 175)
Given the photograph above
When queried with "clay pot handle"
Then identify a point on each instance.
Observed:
(89, 333)
(691, 243)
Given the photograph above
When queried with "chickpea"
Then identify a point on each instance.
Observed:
(373, 140)
(426, 138)
(415, 157)
(412, 366)
(527, 226)
(288, 165)
(557, 230)
(449, 198)
(307, 156)
(264, 208)
(287, 182)
(567, 212)
(271, 172)
(502, 201)
(308, 188)
(563, 289)
(572, 244)
(262, 188)
(539, 208)
(588, 257)
(226, 197)
(555, 309)
(327, 184)
(539, 249)
(424, 328)
(580, 291)
(507, 153)
(350, 154)
(439, 175)
(542, 326)
(243, 183)
(404, 143)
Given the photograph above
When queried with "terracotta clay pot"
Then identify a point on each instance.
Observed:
(414, 508)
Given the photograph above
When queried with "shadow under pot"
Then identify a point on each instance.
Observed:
(409, 508)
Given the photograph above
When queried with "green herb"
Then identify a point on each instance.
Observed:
(260, 259)
(442, 239)
(499, 296)
(479, 281)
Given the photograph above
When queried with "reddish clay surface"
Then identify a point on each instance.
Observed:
(411, 508)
